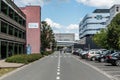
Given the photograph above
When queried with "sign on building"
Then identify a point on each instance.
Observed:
(33, 25)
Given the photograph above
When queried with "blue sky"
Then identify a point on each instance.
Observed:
(64, 16)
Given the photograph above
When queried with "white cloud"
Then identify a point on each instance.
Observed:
(56, 31)
(58, 28)
(53, 24)
(73, 27)
(22, 3)
(99, 3)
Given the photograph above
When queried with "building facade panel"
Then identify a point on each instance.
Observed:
(33, 21)
(64, 37)
(91, 24)
(12, 29)
(115, 9)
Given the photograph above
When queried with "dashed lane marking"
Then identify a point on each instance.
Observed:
(58, 73)
(58, 77)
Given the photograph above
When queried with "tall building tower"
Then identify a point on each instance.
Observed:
(33, 21)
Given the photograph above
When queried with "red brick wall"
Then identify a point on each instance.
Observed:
(33, 15)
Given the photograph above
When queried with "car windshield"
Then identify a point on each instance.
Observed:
(115, 54)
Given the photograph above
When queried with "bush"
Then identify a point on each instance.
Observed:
(24, 58)
(46, 53)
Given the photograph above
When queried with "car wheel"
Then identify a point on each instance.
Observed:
(93, 59)
(102, 60)
(117, 63)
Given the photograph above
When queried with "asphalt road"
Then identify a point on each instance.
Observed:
(57, 67)
(113, 71)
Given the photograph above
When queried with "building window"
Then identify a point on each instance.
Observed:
(24, 35)
(10, 30)
(117, 9)
(16, 33)
(11, 13)
(4, 8)
(99, 17)
(3, 27)
(20, 34)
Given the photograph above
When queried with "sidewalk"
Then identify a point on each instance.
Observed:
(4, 64)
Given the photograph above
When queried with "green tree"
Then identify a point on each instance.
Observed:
(109, 37)
(47, 36)
(101, 38)
(113, 33)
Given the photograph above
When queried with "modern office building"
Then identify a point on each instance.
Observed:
(33, 22)
(65, 40)
(12, 29)
(115, 9)
(91, 24)
(64, 36)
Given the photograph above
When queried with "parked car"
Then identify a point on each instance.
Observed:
(77, 52)
(83, 54)
(114, 59)
(103, 54)
(91, 55)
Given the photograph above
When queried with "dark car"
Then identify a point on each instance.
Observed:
(84, 55)
(77, 52)
(114, 59)
(102, 56)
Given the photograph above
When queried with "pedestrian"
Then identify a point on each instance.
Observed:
(60, 50)
(9, 53)
(28, 49)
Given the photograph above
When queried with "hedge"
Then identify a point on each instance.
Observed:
(46, 52)
(24, 58)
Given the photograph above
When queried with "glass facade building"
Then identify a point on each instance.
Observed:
(91, 24)
(12, 29)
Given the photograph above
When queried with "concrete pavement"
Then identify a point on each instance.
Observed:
(57, 67)
(4, 64)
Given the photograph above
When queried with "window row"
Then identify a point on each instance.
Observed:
(12, 14)
(10, 30)
(8, 49)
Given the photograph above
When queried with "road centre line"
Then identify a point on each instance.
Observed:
(57, 77)
(58, 68)
(58, 73)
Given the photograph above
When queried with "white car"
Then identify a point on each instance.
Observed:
(92, 54)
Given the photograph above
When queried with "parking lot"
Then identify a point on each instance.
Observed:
(106, 67)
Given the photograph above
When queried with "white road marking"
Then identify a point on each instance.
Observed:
(58, 77)
(58, 68)
(58, 73)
